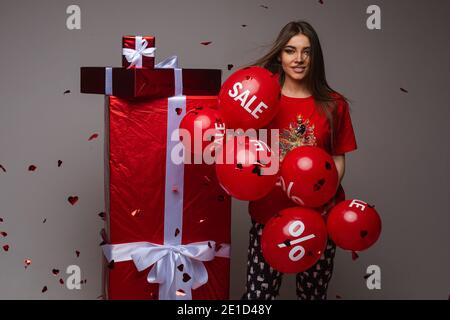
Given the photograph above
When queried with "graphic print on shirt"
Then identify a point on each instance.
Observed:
(299, 133)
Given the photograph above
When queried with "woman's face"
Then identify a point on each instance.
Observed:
(295, 57)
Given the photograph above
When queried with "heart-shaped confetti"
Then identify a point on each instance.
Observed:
(136, 212)
(77, 253)
(354, 255)
(27, 262)
(55, 272)
(6, 247)
(186, 277)
(72, 199)
(3, 168)
(92, 137)
(205, 43)
(4, 234)
(44, 289)
(59, 163)
(66, 92)
(32, 168)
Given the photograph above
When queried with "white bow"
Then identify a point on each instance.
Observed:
(134, 56)
(167, 259)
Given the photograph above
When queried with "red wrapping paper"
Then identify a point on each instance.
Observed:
(137, 156)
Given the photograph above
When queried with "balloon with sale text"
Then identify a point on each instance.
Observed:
(249, 98)
(201, 128)
(354, 225)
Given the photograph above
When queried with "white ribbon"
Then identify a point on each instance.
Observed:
(134, 56)
(165, 259)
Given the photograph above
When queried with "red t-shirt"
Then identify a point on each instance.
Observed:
(300, 123)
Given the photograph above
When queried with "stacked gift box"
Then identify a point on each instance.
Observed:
(168, 222)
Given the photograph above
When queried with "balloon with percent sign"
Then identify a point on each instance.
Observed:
(354, 225)
(294, 239)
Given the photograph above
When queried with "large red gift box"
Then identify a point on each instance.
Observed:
(168, 226)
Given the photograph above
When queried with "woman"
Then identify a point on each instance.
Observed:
(310, 113)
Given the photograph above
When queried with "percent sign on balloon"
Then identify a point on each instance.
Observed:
(296, 229)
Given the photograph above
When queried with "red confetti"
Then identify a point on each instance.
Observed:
(1, 219)
(44, 289)
(6, 247)
(3, 233)
(72, 199)
(180, 292)
(45, 220)
(55, 272)
(77, 253)
(243, 25)
(263, 6)
(27, 262)
(102, 215)
(174, 188)
(230, 66)
(177, 232)
(111, 264)
(3, 168)
(59, 163)
(321, 1)
(136, 212)
(61, 281)
(95, 135)
(67, 91)
(205, 43)
(404, 90)
(32, 168)
(354, 255)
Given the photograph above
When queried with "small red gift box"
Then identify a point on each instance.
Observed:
(138, 52)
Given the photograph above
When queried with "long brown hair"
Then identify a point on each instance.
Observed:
(315, 79)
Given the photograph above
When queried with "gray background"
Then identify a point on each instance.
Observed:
(402, 164)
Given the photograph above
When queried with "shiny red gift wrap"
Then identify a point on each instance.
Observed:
(136, 152)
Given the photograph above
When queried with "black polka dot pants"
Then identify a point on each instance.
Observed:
(263, 282)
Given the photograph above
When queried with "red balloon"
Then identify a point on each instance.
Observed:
(309, 176)
(198, 122)
(354, 225)
(249, 98)
(247, 175)
(263, 209)
(293, 240)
